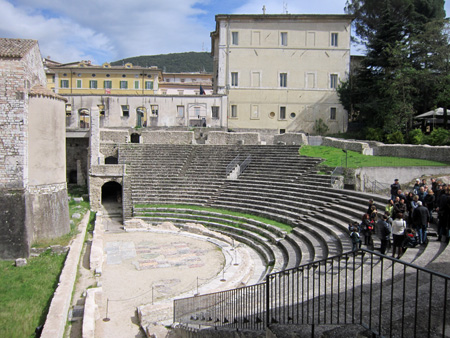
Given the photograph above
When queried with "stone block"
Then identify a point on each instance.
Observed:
(21, 262)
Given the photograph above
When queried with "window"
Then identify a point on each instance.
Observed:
(136, 84)
(64, 83)
(123, 84)
(283, 79)
(79, 84)
(333, 113)
(215, 112)
(101, 109)
(107, 84)
(283, 38)
(233, 111)
(234, 79)
(68, 109)
(148, 84)
(282, 113)
(234, 38)
(84, 118)
(125, 110)
(180, 111)
(334, 39)
(154, 110)
(333, 81)
(310, 80)
(93, 84)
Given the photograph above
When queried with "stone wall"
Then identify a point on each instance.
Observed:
(114, 136)
(77, 150)
(291, 138)
(167, 137)
(14, 239)
(424, 152)
(220, 137)
(47, 211)
(358, 146)
(95, 189)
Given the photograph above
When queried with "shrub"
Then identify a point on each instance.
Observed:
(320, 127)
(439, 137)
(374, 134)
(395, 138)
(416, 136)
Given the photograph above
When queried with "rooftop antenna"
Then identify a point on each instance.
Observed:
(285, 11)
(264, 9)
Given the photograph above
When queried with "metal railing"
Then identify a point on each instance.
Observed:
(337, 178)
(232, 164)
(385, 295)
(245, 163)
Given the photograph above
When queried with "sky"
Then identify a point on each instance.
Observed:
(110, 30)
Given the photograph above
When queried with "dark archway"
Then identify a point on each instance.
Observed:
(135, 138)
(73, 177)
(111, 160)
(112, 193)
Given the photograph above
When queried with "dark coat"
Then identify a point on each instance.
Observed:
(421, 217)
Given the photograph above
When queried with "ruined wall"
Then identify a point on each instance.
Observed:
(220, 137)
(425, 152)
(47, 211)
(167, 137)
(14, 239)
(77, 150)
(291, 138)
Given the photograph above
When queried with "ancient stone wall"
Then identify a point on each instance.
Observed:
(220, 137)
(424, 152)
(77, 150)
(167, 137)
(114, 136)
(291, 139)
(14, 239)
(47, 211)
(358, 146)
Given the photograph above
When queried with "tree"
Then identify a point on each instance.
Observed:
(402, 73)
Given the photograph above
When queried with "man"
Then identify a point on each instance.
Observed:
(395, 187)
(384, 233)
(443, 209)
(421, 220)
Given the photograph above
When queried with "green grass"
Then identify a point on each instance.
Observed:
(26, 293)
(224, 212)
(335, 157)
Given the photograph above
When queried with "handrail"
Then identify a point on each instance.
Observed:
(232, 164)
(245, 163)
(386, 295)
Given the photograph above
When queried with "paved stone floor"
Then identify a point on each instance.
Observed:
(145, 267)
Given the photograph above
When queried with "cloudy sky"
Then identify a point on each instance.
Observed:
(109, 30)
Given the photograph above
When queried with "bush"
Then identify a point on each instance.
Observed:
(374, 134)
(439, 137)
(320, 127)
(416, 136)
(395, 138)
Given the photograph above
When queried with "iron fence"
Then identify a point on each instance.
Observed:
(385, 295)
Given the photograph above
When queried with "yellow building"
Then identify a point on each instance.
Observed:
(87, 79)
(280, 72)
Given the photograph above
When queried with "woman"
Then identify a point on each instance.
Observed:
(366, 229)
(398, 234)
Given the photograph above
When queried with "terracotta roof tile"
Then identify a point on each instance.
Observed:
(15, 48)
(40, 90)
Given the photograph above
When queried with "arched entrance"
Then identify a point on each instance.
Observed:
(135, 138)
(111, 193)
(111, 160)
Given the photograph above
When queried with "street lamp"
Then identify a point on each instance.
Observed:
(346, 158)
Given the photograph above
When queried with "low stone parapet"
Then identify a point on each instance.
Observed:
(424, 152)
(221, 137)
(358, 146)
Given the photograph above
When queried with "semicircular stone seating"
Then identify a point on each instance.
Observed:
(278, 185)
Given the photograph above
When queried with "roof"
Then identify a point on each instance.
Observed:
(40, 90)
(15, 48)
(284, 17)
(432, 113)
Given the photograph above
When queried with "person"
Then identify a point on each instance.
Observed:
(401, 195)
(366, 229)
(356, 240)
(428, 202)
(369, 207)
(389, 208)
(443, 209)
(384, 231)
(398, 234)
(394, 189)
(421, 220)
(416, 187)
(373, 214)
(400, 207)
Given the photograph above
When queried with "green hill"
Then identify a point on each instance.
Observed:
(173, 63)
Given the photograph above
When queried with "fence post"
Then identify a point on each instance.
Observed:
(267, 301)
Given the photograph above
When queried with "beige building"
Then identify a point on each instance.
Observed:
(280, 72)
(186, 84)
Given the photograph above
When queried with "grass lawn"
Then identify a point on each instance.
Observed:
(26, 293)
(282, 226)
(335, 157)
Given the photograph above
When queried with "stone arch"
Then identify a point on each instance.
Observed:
(135, 138)
(111, 193)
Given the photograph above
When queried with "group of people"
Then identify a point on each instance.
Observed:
(405, 218)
